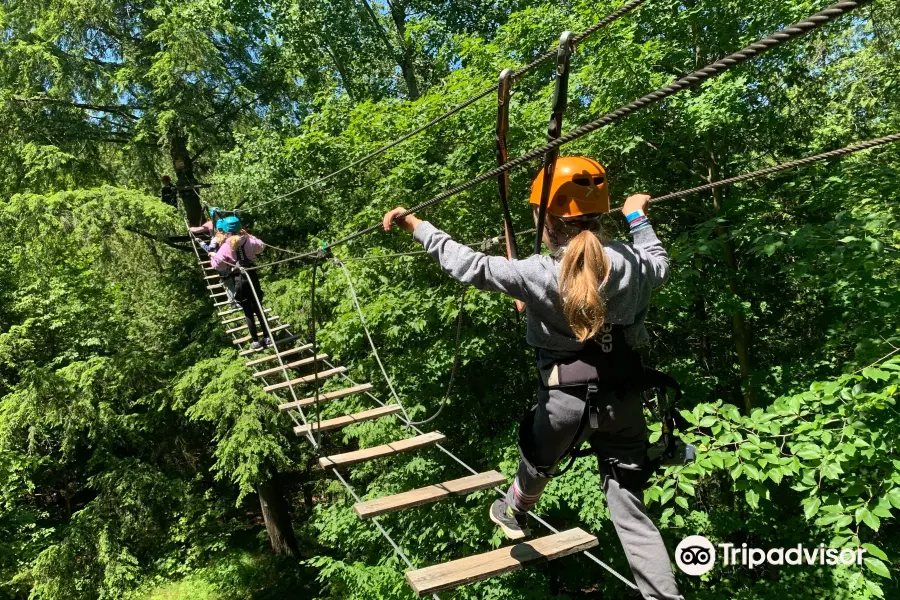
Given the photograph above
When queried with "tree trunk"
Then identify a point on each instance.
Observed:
(739, 328)
(277, 516)
(184, 170)
(398, 14)
(403, 56)
(341, 69)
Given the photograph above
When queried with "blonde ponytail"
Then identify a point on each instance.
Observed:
(234, 241)
(584, 270)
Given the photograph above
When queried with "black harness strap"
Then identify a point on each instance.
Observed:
(608, 362)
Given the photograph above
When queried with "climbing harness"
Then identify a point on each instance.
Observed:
(554, 130)
(500, 135)
(606, 363)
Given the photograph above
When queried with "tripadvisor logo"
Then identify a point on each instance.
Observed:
(696, 555)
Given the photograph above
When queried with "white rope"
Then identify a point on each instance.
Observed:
(386, 535)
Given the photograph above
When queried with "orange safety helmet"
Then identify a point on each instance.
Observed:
(579, 188)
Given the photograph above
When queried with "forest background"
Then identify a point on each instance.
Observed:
(135, 448)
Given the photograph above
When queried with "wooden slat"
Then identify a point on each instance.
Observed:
(211, 277)
(276, 343)
(244, 326)
(343, 421)
(351, 458)
(259, 361)
(272, 330)
(236, 319)
(226, 303)
(306, 379)
(218, 295)
(467, 570)
(225, 313)
(356, 389)
(293, 365)
(426, 495)
(215, 286)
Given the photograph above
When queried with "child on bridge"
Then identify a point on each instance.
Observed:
(585, 307)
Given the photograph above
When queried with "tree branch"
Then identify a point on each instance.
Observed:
(115, 109)
(156, 239)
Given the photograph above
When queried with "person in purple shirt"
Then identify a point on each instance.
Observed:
(235, 261)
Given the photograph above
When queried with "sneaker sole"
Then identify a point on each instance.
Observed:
(510, 533)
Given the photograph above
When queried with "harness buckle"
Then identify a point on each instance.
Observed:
(593, 414)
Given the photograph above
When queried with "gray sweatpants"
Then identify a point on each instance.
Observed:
(621, 434)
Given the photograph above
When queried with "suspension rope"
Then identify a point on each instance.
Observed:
(612, 17)
(315, 348)
(868, 145)
(387, 378)
(384, 532)
(692, 80)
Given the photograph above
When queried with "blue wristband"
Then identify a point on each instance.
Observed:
(635, 215)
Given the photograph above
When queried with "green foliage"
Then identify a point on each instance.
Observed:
(132, 440)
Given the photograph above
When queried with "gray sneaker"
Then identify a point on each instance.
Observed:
(514, 526)
(256, 346)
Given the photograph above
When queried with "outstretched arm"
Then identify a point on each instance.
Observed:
(489, 273)
(644, 239)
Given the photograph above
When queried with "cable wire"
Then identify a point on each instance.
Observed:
(868, 145)
(692, 80)
(383, 531)
(387, 378)
(624, 10)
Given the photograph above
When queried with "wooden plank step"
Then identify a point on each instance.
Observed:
(280, 342)
(226, 303)
(215, 286)
(356, 389)
(258, 361)
(211, 277)
(426, 495)
(351, 458)
(293, 365)
(225, 313)
(205, 262)
(241, 318)
(272, 330)
(219, 295)
(338, 422)
(244, 326)
(467, 570)
(321, 375)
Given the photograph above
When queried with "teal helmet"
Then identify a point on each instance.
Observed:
(214, 211)
(231, 225)
(220, 224)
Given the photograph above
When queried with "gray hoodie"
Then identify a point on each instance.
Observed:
(635, 271)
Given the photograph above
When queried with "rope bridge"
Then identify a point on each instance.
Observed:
(282, 367)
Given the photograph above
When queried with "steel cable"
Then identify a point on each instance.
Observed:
(781, 167)
(624, 10)
(692, 80)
